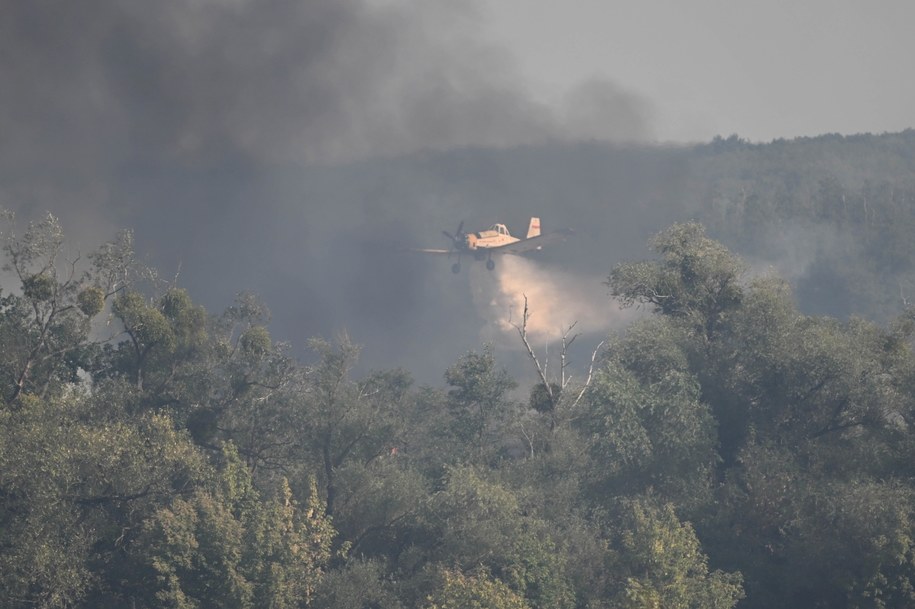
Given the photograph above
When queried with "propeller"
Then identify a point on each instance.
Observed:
(458, 236)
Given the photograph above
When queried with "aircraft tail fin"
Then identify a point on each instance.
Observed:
(534, 229)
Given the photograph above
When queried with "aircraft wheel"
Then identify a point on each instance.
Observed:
(456, 267)
(490, 264)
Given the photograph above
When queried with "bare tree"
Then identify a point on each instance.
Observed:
(553, 391)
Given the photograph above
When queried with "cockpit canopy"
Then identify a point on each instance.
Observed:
(499, 228)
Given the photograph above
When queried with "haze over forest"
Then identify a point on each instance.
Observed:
(294, 150)
(288, 149)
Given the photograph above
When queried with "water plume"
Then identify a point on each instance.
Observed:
(556, 299)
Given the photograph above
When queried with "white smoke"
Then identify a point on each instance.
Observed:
(556, 299)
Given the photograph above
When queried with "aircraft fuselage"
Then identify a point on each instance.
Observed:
(496, 235)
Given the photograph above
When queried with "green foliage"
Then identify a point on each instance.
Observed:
(801, 403)
(345, 421)
(481, 523)
(872, 563)
(651, 349)
(45, 551)
(543, 401)
(809, 541)
(229, 547)
(91, 301)
(697, 279)
(39, 287)
(171, 353)
(255, 341)
(648, 435)
(478, 401)
(75, 487)
(188, 321)
(664, 565)
(192, 461)
(43, 332)
(475, 591)
(360, 584)
(378, 502)
(195, 552)
(145, 324)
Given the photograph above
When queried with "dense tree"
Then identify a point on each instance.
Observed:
(477, 522)
(359, 584)
(77, 478)
(478, 402)
(664, 565)
(348, 421)
(696, 279)
(475, 591)
(656, 436)
(227, 546)
(728, 450)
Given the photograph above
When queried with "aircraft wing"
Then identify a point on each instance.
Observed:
(533, 244)
(428, 251)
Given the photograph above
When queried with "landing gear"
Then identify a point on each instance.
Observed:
(456, 268)
(490, 264)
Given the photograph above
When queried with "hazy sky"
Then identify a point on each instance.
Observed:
(763, 70)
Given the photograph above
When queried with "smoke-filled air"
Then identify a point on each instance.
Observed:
(402, 304)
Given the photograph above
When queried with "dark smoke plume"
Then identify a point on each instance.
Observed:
(289, 147)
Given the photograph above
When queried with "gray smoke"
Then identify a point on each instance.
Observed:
(206, 82)
(291, 147)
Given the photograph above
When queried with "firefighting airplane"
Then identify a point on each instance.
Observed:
(495, 240)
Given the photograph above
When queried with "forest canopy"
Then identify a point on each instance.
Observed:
(725, 449)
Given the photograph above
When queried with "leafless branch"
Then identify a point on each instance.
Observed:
(565, 378)
(587, 382)
(529, 438)
(563, 360)
(522, 332)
